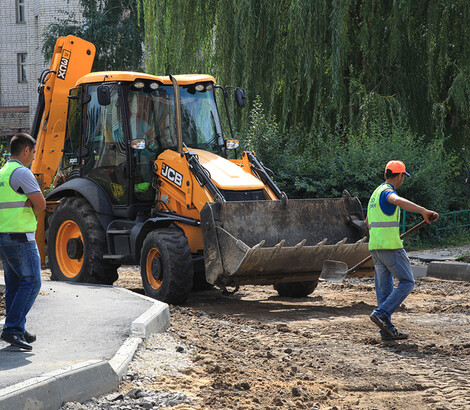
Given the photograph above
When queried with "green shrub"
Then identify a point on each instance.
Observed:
(324, 162)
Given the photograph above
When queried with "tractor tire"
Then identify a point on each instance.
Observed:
(166, 265)
(295, 289)
(76, 243)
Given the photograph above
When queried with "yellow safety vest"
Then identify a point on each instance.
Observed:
(384, 230)
(14, 215)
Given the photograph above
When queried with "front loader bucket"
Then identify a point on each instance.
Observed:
(269, 242)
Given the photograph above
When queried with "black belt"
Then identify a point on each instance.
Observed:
(20, 237)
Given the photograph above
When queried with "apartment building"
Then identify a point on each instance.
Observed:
(22, 25)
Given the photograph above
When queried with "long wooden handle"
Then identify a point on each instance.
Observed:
(414, 229)
(402, 236)
(359, 264)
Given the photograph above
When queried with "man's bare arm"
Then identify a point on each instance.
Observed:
(37, 202)
(428, 215)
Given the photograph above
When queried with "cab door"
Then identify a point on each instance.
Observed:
(106, 161)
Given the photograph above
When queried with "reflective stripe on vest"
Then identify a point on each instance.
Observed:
(7, 205)
(384, 224)
(14, 215)
(384, 230)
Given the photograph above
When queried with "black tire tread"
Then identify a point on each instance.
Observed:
(96, 269)
(176, 257)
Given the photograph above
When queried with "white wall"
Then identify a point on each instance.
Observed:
(18, 100)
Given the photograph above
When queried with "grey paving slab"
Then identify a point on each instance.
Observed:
(86, 336)
(429, 256)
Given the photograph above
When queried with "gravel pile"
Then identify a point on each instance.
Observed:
(159, 354)
(134, 399)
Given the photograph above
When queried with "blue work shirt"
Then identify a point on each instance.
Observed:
(387, 207)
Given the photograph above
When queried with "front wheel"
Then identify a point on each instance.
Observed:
(166, 265)
(76, 243)
(295, 289)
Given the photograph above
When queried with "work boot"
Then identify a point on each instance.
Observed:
(16, 340)
(383, 323)
(29, 337)
(396, 336)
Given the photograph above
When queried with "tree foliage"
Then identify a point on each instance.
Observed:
(326, 63)
(326, 163)
(111, 25)
(178, 35)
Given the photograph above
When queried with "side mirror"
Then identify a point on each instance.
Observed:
(240, 97)
(232, 144)
(104, 95)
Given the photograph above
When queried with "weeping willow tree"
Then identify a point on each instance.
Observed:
(179, 35)
(326, 64)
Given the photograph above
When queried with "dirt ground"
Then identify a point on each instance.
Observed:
(258, 350)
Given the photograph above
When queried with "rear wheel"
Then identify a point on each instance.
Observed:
(166, 266)
(295, 289)
(76, 242)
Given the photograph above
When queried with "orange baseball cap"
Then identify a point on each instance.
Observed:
(397, 167)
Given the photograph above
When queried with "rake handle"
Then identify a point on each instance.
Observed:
(402, 236)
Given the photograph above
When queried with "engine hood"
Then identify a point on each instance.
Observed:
(225, 174)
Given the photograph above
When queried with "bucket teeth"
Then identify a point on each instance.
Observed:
(360, 242)
(300, 244)
(259, 245)
(278, 246)
(322, 242)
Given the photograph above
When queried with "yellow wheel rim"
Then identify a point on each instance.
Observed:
(68, 266)
(153, 269)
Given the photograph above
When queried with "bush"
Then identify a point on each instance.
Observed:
(322, 163)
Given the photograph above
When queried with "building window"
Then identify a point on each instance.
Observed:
(22, 78)
(20, 14)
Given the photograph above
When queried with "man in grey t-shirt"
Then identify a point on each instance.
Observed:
(20, 201)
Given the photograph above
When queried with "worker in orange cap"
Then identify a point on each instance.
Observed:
(386, 248)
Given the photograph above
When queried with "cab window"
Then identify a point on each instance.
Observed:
(106, 159)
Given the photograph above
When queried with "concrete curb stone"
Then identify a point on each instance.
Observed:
(419, 271)
(53, 389)
(449, 270)
(122, 358)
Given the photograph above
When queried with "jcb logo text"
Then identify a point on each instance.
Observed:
(170, 174)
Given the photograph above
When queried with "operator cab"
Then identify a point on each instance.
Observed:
(126, 122)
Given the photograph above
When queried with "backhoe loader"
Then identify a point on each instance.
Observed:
(139, 174)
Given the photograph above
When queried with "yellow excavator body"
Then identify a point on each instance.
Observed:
(137, 169)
